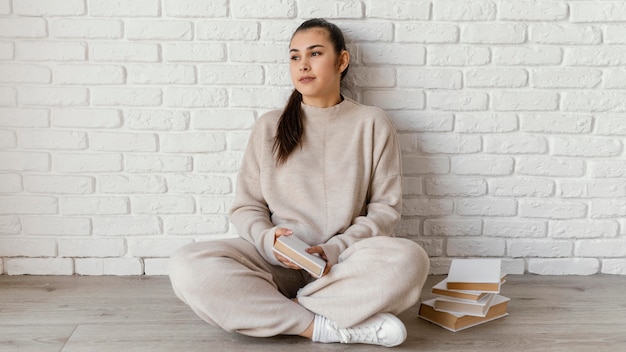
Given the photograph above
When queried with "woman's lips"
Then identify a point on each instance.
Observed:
(306, 79)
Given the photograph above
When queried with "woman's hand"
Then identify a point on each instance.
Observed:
(320, 251)
(281, 231)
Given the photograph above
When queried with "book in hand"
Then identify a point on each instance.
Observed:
(475, 275)
(294, 249)
(454, 305)
(456, 321)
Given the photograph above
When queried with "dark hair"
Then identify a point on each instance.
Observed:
(290, 126)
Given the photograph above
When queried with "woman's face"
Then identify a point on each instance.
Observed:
(316, 68)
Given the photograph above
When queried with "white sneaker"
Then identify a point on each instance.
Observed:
(381, 329)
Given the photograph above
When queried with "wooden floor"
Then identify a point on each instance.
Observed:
(83, 314)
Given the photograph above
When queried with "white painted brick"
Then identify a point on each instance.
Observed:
(198, 184)
(158, 163)
(230, 74)
(408, 228)
(109, 266)
(601, 248)
(614, 266)
(592, 189)
(10, 183)
(193, 142)
(476, 247)
(24, 161)
(23, 27)
(486, 122)
(460, 55)
(373, 77)
(20, 73)
(87, 118)
(94, 205)
(496, 78)
(87, 162)
(230, 30)
(430, 78)
(230, 119)
(51, 51)
(532, 10)
(398, 10)
(214, 204)
(516, 228)
(566, 78)
(124, 52)
(157, 120)
(539, 248)
(455, 186)
(28, 247)
(556, 123)
(595, 56)
(614, 78)
(45, 96)
(607, 208)
(329, 8)
(59, 184)
(161, 74)
(8, 97)
(527, 55)
(439, 266)
(486, 207)
(263, 97)
(452, 227)
(156, 266)
(549, 166)
(10, 225)
(608, 168)
(123, 184)
(526, 101)
(366, 31)
(163, 205)
(5, 9)
(593, 11)
(583, 229)
(8, 139)
(126, 226)
(516, 144)
(513, 266)
(414, 32)
(412, 186)
(482, 165)
(552, 209)
(457, 101)
(395, 99)
(593, 101)
(196, 8)
(198, 97)
(521, 187)
(49, 139)
(587, 147)
(425, 165)
(427, 207)
(198, 52)
(76, 28)
(37, 205)
(420, 121)
(92, 247)
(615, 34)
(238, 140)
(124, 8)
(196, 225)
(565, 34)
(158, 30)
(7, 51)
(449, 143)
(56, 8)
(128, 142)
(493, 33)
(56, 226)
(116, 96)
(396, 54)
(264, 9)
(218, 162)
(464, 10)
(89, 74)
(148, 247)
(564, 266)
(39, 266)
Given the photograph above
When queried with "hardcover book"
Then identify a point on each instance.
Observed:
(294, 249)
(441, 289)
(475, 275)
(478, 308)
(456, 322)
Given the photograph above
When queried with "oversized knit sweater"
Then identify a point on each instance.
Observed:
(342, 183)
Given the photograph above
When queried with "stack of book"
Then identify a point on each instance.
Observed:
(468, 296)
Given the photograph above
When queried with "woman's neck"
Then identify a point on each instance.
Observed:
(323, 102)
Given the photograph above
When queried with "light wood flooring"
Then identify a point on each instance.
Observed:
(102, 314)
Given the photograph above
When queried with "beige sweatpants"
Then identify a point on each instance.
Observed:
(228, 284)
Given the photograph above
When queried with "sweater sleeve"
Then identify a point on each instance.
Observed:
(383, 207)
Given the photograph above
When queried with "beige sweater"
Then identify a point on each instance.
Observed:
(342, 184)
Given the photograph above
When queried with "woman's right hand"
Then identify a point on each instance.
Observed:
(281, 231)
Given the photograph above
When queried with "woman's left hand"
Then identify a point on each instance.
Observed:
(320, 251)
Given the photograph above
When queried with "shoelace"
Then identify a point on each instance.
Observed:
(359, 334)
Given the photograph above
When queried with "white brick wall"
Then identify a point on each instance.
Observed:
(123, 123)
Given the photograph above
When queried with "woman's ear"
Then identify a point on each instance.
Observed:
(344, 60)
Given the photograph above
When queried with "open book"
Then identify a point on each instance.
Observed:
(294, 249)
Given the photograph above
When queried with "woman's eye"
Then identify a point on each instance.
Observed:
(316, 53)
(294, 58)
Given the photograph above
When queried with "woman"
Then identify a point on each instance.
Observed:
(326, 170)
